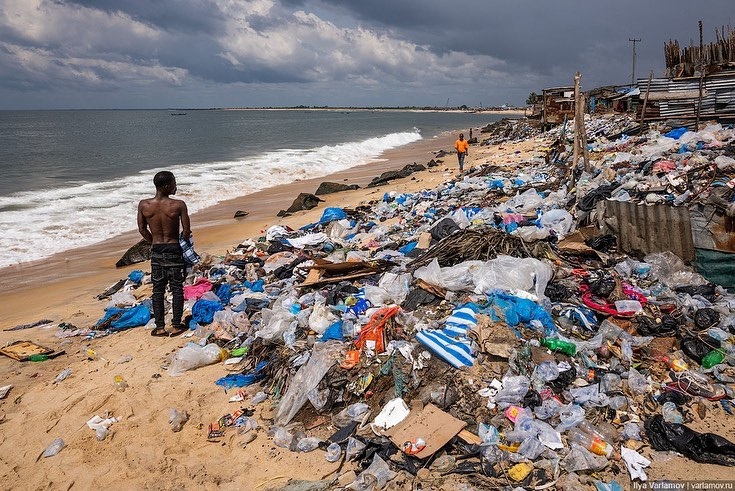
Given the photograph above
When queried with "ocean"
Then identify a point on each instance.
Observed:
(74, 178)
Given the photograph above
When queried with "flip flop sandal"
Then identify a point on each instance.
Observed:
(159, 332)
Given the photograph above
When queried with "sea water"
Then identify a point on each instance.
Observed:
(74, 178)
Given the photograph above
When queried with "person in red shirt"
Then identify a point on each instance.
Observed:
(462, 147)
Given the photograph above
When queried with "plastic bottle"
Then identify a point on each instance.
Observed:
(559, 345)
(62, 375)
(675, 364)
(714, 357)
(120, 383)
(38, 357)
(671, 414)
(55, 447)
(592, 443)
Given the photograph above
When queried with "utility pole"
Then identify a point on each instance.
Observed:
(632, 77)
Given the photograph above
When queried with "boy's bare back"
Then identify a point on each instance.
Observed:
(160, 218)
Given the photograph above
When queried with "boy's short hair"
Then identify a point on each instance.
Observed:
(163, 178)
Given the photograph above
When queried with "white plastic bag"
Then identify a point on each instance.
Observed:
(512, 273)
(323, 356)
(194, 356)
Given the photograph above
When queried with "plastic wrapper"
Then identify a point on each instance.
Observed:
(323, 356)
(353, 412)
(334, 452)
(318, 398)
(308, 444)
(194, 356)
(354, 448)
(531, 448)
(321, 318)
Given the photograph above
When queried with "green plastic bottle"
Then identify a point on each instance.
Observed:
(714, 357)
(38, 357)
(558, 345)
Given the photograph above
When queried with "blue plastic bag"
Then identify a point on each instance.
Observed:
(131, 317)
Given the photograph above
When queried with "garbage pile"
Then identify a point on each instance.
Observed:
(472, 332)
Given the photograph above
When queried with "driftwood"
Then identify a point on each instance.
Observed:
(472, 245)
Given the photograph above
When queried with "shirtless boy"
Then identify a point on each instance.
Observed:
(158, 223)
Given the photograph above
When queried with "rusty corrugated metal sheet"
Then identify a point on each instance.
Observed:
(650, 228)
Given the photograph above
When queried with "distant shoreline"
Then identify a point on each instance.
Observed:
(373, 109)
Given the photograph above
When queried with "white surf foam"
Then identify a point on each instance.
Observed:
(37, 224)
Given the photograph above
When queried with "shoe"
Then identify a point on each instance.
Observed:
(695, 385)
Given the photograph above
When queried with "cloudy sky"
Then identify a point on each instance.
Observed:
(256, 53)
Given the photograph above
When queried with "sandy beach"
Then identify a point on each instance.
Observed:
(141, 451)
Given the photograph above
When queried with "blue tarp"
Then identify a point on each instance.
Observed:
(332, 214)
(675, 133)
(333, 332)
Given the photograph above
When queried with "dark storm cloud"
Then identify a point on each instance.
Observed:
(389, 52)
(192, 17)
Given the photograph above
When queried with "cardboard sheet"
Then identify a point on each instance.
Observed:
(432, 424)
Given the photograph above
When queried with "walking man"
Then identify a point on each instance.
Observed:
(462, 147)
(158, 222)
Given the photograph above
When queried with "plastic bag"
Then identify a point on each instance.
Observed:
(177, 419)
(321, 318)
(558, 220)
(274, 324)
(512, 273)
(377, 472)
(194, 356)
(323, 356)
(455, 278)
(281, 437)
(706, 448)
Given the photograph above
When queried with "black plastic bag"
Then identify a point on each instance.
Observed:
(665, 326)
(707, 448)
(444, 228)
(557, 292)
(602, 243)
(601, 283)
(697, 348)
(706, 318)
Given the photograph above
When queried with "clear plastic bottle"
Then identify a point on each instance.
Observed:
(671, 414)
(120, 383)
(55, 447)
(592, 443)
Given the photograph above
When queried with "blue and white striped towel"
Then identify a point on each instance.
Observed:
(451, 343)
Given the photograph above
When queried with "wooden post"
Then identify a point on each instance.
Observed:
(583, 133)
(701, 76)
(575, 158)
(645, 100)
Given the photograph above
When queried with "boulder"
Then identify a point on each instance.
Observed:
(139, 253)
(334, 187)
(396, 174)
